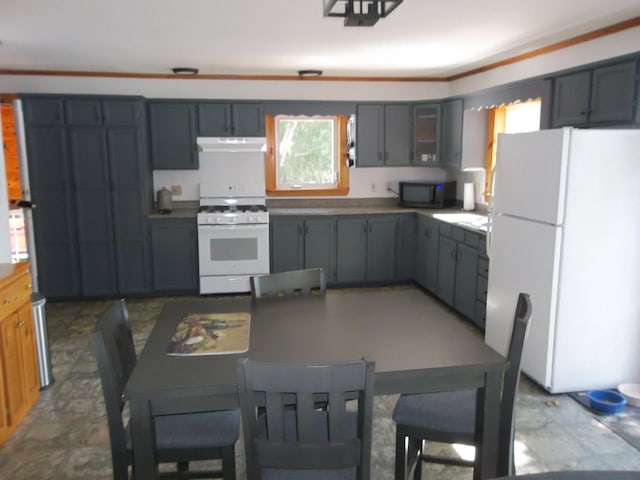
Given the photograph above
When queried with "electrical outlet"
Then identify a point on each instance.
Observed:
(389, 186)
(373, 187)
(176, 189)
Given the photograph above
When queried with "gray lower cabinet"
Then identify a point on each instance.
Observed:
(406, 247)
(174, 243)
(480, 314)
(603, 95)
(466, 280)
(90, 182)
(287, 243)
(446, 269)
(320, 246)
(298, 243)
(458, 269)
(366, 250)
(426, 253)
(351, 249)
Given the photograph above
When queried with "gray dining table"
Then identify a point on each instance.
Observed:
(414, 351)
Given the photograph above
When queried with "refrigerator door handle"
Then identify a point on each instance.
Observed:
(491, 212)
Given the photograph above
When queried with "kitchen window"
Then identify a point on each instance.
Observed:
(513, 118)
(306, 155)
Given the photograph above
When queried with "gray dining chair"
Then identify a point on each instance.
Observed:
(294, 282)
(578, 475)
(450, 417)
(287, 437)
(180, 439)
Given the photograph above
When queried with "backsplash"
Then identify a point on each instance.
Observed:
(364, 182)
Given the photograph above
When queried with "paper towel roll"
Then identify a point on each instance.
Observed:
(469, 202)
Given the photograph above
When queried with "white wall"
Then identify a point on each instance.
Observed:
(617, 44)
(228, 89)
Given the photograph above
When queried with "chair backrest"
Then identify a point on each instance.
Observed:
(295, 282)
(512, 376)
(285, 430)
(115, 354)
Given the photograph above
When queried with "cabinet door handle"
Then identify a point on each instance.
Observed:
(453, 254)
(20, 324)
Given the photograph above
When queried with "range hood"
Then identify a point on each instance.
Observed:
(232, 144)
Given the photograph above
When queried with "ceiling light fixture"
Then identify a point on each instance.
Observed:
(185, 70)
(359, 13)
(309, 73)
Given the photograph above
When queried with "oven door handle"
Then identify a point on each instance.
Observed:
(242, 226)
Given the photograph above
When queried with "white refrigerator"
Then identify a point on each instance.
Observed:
(565, 228)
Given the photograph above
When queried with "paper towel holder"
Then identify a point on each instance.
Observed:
(469, 198)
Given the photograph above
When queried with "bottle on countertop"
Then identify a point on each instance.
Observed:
(165, 202)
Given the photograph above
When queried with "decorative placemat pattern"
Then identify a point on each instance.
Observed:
(211, 334)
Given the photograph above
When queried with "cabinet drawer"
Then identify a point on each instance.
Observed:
(15, 294)
(482, 246)
(457, 234)
(483, 267)
(445, 229)
(481, 289)
(472, 239)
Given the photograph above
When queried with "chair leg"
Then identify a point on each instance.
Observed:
(408, 457)
(228, 463)
(418, 445)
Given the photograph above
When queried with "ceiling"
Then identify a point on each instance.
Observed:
(424, 38)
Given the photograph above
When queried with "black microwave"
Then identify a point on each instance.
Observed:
(427, 195)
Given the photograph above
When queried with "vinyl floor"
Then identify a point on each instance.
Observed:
(65, 435)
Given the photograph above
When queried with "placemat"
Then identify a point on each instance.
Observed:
(625, 424)
(211, 334)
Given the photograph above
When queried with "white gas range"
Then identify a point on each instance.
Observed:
(233, 236)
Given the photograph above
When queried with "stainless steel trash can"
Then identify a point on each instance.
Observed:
(42, 340)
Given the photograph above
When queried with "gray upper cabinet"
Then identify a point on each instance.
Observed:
(383, 135)
(172, 128)
(397, 135)
(451, 151)
(217, 119)
(603, 95)
(43, 111)
(87, 112)
(426, 132)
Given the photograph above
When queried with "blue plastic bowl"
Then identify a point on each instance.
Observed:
(606, 401)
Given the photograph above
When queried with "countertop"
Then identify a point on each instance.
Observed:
(474, 220)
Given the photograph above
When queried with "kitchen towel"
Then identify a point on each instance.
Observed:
(469, 202)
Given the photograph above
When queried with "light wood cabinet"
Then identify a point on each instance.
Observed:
(19, 380)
